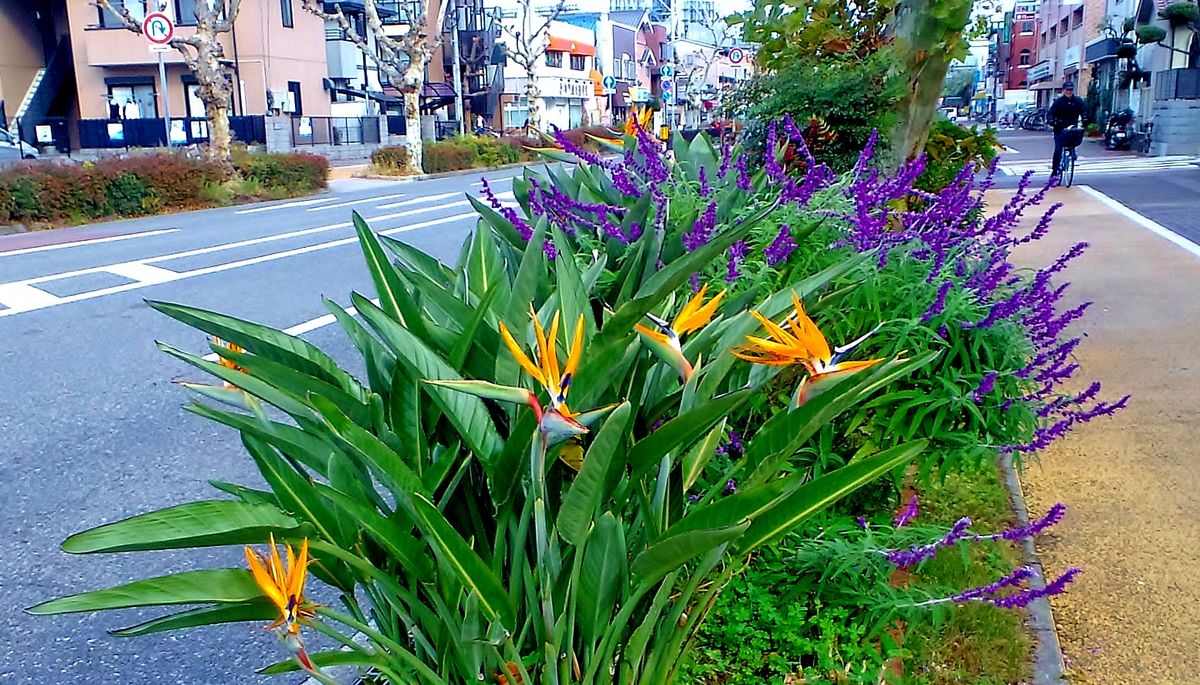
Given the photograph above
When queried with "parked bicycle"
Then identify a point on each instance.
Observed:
(1035, 121)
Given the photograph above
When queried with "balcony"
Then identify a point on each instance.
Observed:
(1177, 84)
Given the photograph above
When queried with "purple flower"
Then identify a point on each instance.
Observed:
(986, 385)
(910, 512)
(693, 498)
(702, 229)
(1013, 579)
(737, 252)
(743, 175)
(862, 522)
(780, 248)
(731, 486)
(705, 190)
(1027, 597)
(1052, 517)
(939, 303)
(733, 448)
(912, 556)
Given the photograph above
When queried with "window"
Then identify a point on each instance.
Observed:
(1025, 54)
(578, 62)
(1077, 18)
(1053, 33)
(554, 59)
(294, 98)
(1027, 27)
(134, 101)
(112, 20)
(516, 114)
(285, 6)
(185, 12)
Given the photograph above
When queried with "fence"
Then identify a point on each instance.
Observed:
(334, 130)
(104, 133)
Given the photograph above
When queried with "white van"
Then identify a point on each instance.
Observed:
(13, 148)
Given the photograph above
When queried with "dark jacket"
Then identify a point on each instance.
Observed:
(1066, 111)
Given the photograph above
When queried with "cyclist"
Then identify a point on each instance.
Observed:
(1066, 111)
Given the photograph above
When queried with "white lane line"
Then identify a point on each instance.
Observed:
(494, 180)
(1013, 150)
(140, 271)
(355, 202)
(286, 205)
(85, 241)
(21, 297)
(1143, 221)
(416, 200)
(19, 288)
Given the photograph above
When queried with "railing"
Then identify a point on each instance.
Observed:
(334, 130)
(126, 133)
(1177, 84)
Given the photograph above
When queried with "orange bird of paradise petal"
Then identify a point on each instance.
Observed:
(283, 584)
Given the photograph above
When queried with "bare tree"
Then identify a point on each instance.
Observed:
(694, 76)
(401, 58)
(530, 36)
(202, 53)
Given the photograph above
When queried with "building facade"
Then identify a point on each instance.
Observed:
(1064, 27)
(567, 80)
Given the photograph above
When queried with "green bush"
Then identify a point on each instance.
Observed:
(1180, 13)
(952, 147)
(1150, 34)
(293, 173)
(390, 161)
(454, 154)
(847, 99)
(147, 184)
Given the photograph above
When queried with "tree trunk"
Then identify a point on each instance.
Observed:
(215, 93)
(918, 108)
(411, 84)
(219, 136)
(533, 95)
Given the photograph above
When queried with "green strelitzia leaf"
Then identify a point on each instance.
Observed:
(814, 496)
(601, 576)
(394, 297)
(330, 659)
(581, 503)
(470, 570)
(681, 431)
(669, 553)
(255, 610)
(196, 524)
(209, 586)
(487, 390)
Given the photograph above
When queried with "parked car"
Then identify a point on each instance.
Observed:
(12, 148)
(950, 113)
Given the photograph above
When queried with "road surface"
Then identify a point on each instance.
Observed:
(92, 425)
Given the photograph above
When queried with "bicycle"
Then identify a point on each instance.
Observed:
(1072, 138)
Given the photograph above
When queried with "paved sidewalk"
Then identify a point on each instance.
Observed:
(1131, 482)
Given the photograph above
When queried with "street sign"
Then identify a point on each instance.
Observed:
(737, 55)
(666, 70)
(158, 29)
(610, 82)
(154, 47)
(668, 86)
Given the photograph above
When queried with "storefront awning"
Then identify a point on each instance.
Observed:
(572, 46)
(1046, 85)
(434, 95)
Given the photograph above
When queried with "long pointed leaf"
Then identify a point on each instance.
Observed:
(196, 524)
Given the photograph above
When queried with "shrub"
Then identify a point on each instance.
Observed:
(1150, 34)
(952, 147)
(448, 155)
(390, 161)
(293, 173)
(125, 194)
(1180, 13)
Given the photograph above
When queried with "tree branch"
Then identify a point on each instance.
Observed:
(231, 13)
(123, 14)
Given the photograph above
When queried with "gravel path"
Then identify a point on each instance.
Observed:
(1131, 482)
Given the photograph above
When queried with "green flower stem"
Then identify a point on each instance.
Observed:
(537, 466)
(397, 649)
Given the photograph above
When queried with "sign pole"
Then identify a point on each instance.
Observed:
(162, 80)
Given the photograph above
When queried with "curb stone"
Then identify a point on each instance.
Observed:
(1048, 666)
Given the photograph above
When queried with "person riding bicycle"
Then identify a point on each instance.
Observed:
(1066, 112)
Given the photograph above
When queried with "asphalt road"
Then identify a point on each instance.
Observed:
(92, 425)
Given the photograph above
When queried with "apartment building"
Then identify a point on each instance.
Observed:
(571, 88)
(1064, 27)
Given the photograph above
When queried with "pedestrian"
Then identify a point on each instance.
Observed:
(1065, 112)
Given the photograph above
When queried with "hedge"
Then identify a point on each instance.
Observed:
(75, 193)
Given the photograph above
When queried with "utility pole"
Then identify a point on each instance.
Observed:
(456, 68)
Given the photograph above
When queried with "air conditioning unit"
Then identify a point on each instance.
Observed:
(280, 100)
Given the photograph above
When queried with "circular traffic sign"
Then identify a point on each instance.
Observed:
(666, 71)
(157, 28)
(610, 82)
(668, 86)
(736, 55)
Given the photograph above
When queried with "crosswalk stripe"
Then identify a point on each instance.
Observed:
(378, 198)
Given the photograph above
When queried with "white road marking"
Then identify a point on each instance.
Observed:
(1143, 221)
(28, 298)
(416, 200)
(86, 241)
(494, 180)
(143, 272)
(1108, 165)
(22, 297)
(355, 202)
(1011, 150)
(286, 205)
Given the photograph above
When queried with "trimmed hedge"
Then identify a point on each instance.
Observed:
(149, 184)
